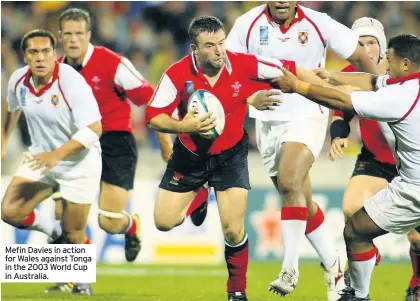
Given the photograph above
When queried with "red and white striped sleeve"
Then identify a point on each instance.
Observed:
(165, 100)
(136, 87)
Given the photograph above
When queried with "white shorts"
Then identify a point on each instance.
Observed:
(396, 208)
(78, 183)
(272, 134)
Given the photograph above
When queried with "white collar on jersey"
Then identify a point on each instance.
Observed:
(88, 54)
(227, 63)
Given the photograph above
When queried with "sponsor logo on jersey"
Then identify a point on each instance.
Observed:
(264, 35)
(189, 86)
(55, 100)
(303, 37)
(236, 86)
(22, 93)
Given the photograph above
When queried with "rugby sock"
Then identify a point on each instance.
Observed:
(360, 267)
(415, 263)
(199, 199)
(293, 228)
(237, 264)
(34, 221)
(317, 234)
(131, 229)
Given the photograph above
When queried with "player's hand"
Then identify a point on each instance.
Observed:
(192, 124)
(286, 83)
(337, 146)
(323, 74)
(45, 161)
(262, 100)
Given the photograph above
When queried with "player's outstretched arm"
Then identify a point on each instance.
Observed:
(327, 96)
(364, 81)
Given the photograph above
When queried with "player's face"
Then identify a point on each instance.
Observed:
(75, 38)
(211, 49)
(371, 46)
(395, 64)
(40, 56)
(282, 10)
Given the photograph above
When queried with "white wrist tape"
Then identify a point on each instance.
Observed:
(85, 136)
(381, 81)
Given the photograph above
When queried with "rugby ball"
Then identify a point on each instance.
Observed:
(206, 102)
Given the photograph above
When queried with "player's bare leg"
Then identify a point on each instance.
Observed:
(358, 190)
(232, 207)
(171, 207)
(18, 206)
(359, 232)
(413, 291)
(293, 167)
(113, 218)
(74, 219)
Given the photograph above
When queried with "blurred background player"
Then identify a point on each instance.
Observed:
(64, 125)
(375, 165)
(291, 137)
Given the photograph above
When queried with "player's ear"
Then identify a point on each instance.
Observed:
(193, 48)
(405, 64)
(89, 35)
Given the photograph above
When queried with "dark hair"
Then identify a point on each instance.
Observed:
(75, 14)
(203, 24)
(37, 33)
(406, 46)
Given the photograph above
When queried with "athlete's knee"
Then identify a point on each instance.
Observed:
(414, 239)
(233, 232)
(353, 231)
(166, 220)
(348, 211)
(110, 222)
(165, 225)
(289, 184)
(12, 215)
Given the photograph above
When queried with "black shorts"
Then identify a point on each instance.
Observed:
(367, 165)
(187, 171)
(119, 159)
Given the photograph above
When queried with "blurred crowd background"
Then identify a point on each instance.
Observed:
(154, 34)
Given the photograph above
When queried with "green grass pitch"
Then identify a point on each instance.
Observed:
(190, 283)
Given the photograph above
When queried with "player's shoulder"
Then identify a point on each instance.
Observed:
(69, 78)
(239, 57)
(66, 71)
(18, 75)
(105, 52)
(181, 67)
(247, 18)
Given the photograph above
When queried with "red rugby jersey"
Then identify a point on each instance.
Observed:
(114, 80)
(371, 133)
(236, 83)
